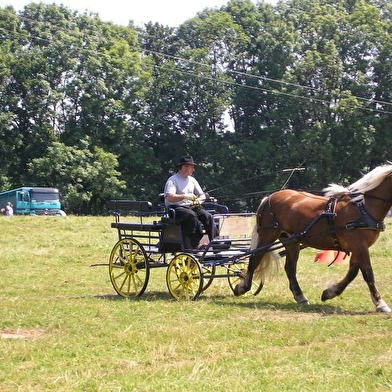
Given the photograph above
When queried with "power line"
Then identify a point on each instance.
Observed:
(234, 72)
(274, 92)
(252, 76)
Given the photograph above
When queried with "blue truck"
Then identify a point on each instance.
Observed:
(31, 200)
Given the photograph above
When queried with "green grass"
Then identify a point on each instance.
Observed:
(63, 328)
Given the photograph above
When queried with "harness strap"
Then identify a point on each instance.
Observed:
(365, 221)
(330, 214)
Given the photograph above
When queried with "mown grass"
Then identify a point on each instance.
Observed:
(63, 328)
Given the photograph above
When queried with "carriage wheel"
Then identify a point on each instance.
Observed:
(210, 271)
(184, 277)
(128, 268)
(235, 272)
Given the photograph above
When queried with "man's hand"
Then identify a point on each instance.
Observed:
(196, 202)
(190, 196)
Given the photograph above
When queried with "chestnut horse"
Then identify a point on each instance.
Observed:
(346, 219)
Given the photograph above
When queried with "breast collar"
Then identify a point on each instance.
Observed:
(365, 221)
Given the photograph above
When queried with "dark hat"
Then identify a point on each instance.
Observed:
(188, 160)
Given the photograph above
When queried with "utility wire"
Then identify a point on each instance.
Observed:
(252, 76)
(234, 72)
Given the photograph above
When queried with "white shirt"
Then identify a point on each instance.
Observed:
(177, 184)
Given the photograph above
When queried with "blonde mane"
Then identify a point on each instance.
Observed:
(369, 181)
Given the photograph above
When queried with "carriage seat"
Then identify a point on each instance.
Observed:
(172, 236)
(210, 205)
(137, 208)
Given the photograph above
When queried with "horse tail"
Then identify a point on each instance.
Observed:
(255, 238)
(268, 266)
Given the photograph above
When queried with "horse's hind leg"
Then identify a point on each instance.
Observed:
(292, 254)
(264, 235)
(337, 288)
(246, 283)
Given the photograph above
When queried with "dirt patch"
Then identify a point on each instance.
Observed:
(31, 334)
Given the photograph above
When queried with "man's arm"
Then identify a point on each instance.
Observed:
(176, 197)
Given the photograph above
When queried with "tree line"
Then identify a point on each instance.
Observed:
(103, 111)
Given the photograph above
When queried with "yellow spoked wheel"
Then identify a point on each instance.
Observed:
(184, 277)
(236, 272)
(128, 268)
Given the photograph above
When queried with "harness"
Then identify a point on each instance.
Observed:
(365, 221)
(330, 214)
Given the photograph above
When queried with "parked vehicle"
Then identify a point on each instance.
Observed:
(33, 201)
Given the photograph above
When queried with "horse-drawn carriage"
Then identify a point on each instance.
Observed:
(150, 237)
(348, 219)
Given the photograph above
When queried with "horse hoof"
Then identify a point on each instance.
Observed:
(302, 300)
(383, 309)
(236, 291)
(381, 306)
(327, 294)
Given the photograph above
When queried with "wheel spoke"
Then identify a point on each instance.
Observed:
(128, 268)
(236, 271)
(184, 277)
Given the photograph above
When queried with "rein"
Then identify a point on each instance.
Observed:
(329, 213)
(380, 198)
(373, 197)
(365, 221)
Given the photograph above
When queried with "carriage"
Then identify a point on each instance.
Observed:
(149, 237)
(347, 219)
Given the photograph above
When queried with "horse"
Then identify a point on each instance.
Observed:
(347, 219)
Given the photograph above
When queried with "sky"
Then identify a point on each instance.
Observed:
(166, 12)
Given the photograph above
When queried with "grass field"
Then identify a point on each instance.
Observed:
(63, 328)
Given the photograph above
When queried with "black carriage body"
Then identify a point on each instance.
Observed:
(152, 238)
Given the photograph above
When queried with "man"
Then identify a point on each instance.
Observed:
(9, 211)
(184, 194)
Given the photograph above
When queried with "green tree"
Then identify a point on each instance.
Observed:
(86, 177)
(330, 120)
(73, 76)
(249, 90)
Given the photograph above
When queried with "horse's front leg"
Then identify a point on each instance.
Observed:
(368, 276)
(292, 254)
(360, 260)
